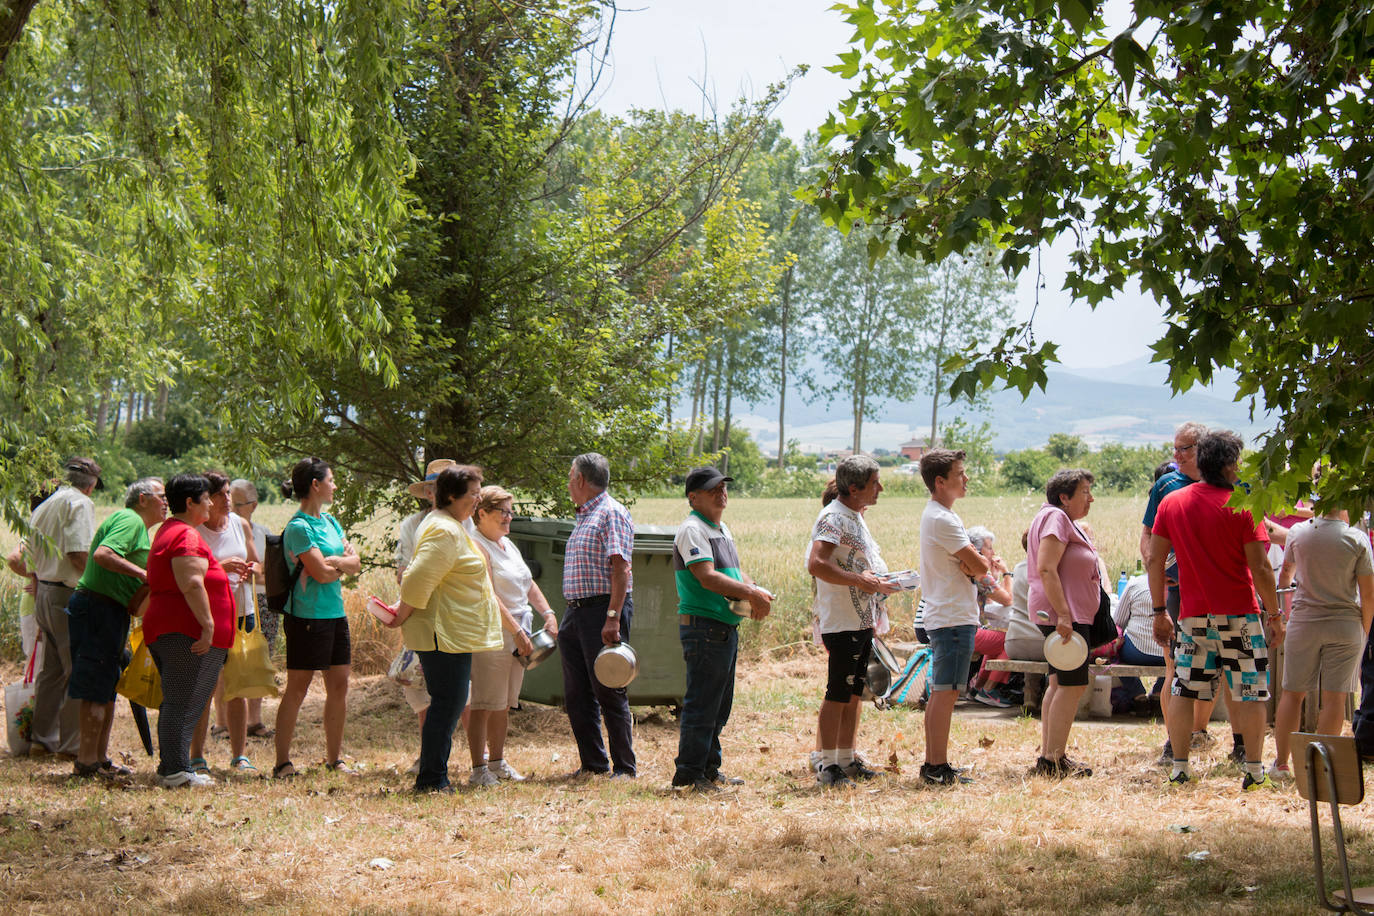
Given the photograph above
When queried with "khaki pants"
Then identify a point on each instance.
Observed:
(56, 717)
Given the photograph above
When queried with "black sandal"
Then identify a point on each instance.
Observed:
(278, 771)
(258, 730)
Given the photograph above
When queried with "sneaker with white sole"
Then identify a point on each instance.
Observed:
(1280, 772)
(185, 778)
(1251, 784)
(833, 777)
(817, 761)
(481, 776)
(504, 770)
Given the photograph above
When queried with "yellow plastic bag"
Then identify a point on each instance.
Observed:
(140, 682)
(248, 669)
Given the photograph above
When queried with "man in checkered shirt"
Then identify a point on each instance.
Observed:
(596, 586)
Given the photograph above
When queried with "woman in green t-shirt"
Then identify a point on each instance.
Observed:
(315, 624)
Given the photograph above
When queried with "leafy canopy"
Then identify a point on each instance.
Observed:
(1217, 153)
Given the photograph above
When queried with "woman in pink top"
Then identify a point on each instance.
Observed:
(1065, 586)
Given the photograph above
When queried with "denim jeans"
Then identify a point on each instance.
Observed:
(1130, 655)
(709, 648)
(587, 699)
(446, 679)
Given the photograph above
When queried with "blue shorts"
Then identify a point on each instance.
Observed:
(951, 650)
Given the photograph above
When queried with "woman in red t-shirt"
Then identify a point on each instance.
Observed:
(189, 624)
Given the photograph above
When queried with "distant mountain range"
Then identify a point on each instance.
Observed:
(1128, 403)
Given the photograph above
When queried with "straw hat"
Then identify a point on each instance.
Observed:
(417, 489)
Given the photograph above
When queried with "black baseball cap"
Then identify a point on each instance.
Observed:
(705, 479)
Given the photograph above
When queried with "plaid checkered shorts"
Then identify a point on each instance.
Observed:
(1216, 644)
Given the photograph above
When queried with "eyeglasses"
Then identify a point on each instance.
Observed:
(1185, 448)
(250, 502)
(505, 513)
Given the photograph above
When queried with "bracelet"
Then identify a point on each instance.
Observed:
(1160, 610)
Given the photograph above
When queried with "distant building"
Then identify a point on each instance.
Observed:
(914, 449)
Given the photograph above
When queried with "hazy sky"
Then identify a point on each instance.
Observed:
(664, 52)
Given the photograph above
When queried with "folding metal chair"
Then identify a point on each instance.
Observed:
(1327, 769)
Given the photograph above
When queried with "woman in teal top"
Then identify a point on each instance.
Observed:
(315, 624)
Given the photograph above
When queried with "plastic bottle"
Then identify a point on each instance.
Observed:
(1121, 584)
(1139, 567)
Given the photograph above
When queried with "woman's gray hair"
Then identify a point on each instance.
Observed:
(139, 488)
(1192, 429)
(980, 535)
(853, 473)
(594, 468)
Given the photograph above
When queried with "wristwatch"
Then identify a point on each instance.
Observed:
(612, 613)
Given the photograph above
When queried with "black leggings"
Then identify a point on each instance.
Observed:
(188, 682)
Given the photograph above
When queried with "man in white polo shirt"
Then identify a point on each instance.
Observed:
(63, 527)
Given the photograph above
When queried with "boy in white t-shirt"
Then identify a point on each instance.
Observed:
(948, 560)
(845, 561)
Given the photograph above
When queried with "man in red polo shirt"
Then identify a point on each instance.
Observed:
(1222, 559)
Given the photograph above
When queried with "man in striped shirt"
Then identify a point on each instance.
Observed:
(596, 587)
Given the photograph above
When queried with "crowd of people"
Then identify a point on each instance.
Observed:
(1207, 608)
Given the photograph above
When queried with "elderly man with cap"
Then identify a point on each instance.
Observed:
(63, 526)
(709, 578)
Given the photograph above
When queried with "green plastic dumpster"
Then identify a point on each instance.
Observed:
(662, 679)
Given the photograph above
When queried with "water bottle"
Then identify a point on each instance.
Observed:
(1121, 584)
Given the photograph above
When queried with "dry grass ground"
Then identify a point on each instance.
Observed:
(1006, 844)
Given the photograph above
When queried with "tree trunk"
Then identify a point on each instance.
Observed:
(698, 402)
(715, 401)
(729, 400)
(131, 414)
(114, 427)
(161, 401)
(668, 397)
(782, 368)
(13, 15)
(939, 358)
(102, 411)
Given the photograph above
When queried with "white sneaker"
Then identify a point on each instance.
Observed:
(185, 778)
(504, 770)
(414, 768)
(481, 776)
(174, 780)
(1280, 772)
(816, 758)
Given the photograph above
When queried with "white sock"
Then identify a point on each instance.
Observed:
(1255, 768)
(846, 756)
(1181, 766)
(828, 756)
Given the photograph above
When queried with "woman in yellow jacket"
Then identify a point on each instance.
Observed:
(447, 612)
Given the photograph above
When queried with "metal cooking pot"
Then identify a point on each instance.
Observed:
(881, 668)
(544, 646)
(616, 666)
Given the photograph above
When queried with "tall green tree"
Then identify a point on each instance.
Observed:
(223, 172)
(969, 302)
(1216, 152)
(538, 309)
(870, 317)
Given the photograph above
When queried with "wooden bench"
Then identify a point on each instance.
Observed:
(1111, 670)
